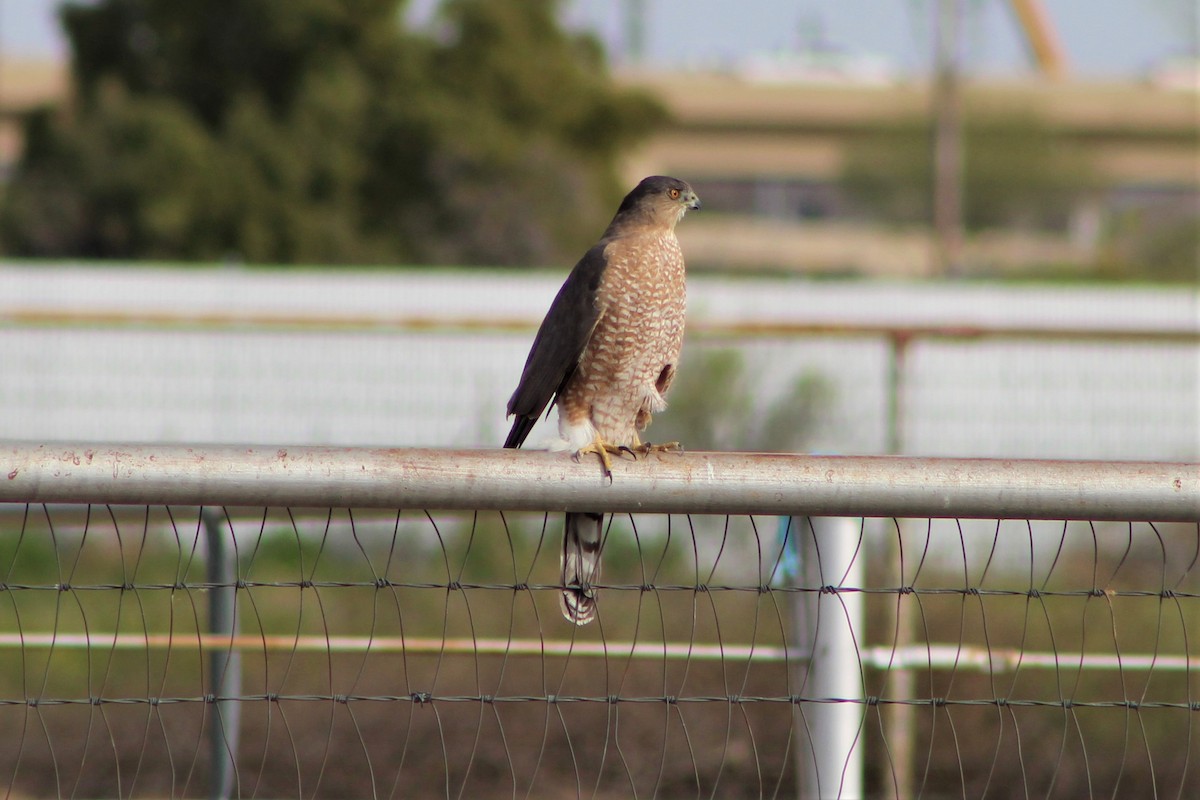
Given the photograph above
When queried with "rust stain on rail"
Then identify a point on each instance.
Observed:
(901, 334)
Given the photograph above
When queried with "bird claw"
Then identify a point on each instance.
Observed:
(645, 448)
(603, 450)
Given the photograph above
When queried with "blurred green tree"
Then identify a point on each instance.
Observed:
(1152, 245)
(323, 131)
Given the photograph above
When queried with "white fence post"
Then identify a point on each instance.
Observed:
(829, 626)
(225, 662)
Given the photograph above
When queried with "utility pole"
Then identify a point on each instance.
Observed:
(635, 31)
(947, 139)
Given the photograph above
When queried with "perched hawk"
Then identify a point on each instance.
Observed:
(606, 354)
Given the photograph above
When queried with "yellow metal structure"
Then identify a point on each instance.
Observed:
(1041, 36)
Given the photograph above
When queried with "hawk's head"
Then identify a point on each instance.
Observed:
(659, 200)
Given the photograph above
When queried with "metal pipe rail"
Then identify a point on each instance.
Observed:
(677, 483)
(30, 316)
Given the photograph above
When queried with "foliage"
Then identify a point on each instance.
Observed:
(1015, 173)
(713, 406)
(322, 131)
(1145, 246)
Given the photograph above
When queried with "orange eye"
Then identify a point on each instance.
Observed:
(674, 194)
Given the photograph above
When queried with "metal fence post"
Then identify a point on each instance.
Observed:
(829, 627)
(900, 719)
(225, 664)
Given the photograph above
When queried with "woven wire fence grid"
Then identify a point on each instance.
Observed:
(370, 645)
(419, 358)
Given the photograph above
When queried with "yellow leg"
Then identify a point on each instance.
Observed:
(645, 448)
(602, 449)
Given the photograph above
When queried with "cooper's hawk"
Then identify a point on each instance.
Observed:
(606, 354)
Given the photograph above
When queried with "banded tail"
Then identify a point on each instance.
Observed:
(582, 537)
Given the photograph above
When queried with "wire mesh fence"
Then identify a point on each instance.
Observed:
(419, 358)
(342, 638)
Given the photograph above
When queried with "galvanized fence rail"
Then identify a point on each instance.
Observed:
(370, 625)
(665, 483)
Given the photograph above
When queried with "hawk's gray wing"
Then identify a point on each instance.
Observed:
(559, 343)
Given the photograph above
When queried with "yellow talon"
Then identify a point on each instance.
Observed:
(602, 449)
(645, 448)
(641, 448)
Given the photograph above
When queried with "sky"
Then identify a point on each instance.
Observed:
(1102, 38)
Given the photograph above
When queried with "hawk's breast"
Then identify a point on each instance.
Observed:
(642, 300)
